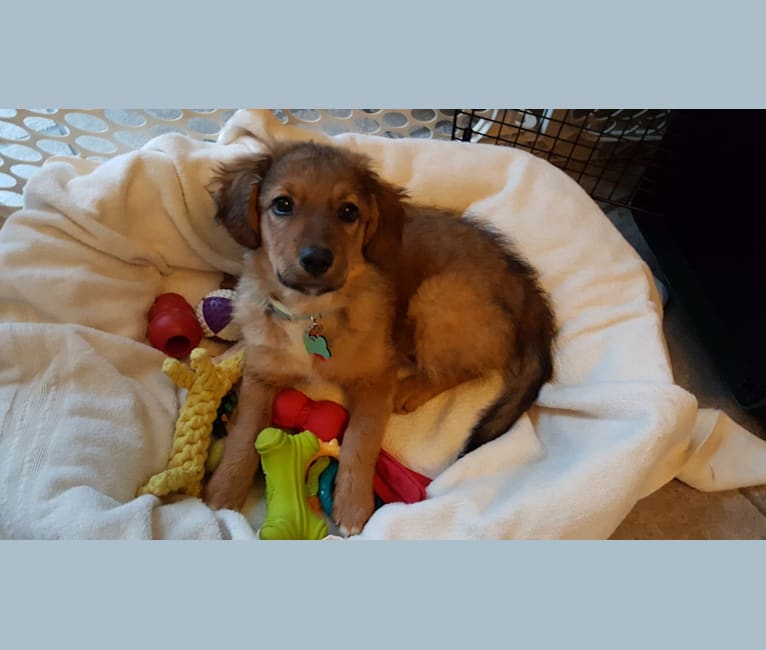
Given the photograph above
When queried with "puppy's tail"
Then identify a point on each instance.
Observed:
(523, 380)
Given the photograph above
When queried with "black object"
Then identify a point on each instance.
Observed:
(700, 207)
(225, 410)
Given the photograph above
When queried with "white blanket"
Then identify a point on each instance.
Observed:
(86, 416)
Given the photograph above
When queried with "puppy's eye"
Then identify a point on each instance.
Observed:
(282, 206)
(348, 212)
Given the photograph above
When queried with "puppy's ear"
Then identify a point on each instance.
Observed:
(383, 235)
(237, 197)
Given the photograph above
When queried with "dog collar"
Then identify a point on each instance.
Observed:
(284, 313)
(315, 344)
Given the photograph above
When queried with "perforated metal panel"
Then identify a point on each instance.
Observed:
(29, 136)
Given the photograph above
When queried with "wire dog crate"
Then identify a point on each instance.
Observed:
(605, 151)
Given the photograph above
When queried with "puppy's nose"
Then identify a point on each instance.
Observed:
(316, 260)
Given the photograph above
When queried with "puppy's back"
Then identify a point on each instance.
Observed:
(507, 323)
(438, 241)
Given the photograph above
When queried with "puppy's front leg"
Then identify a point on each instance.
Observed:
(370, 406)
(229, 485)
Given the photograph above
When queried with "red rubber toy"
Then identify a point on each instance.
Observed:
(294, 410)
(173, 326)
(395, 483)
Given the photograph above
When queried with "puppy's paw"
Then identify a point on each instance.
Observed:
(352, 515)
(411, 393)
(229, 486)
(352, 507)
(228, 497)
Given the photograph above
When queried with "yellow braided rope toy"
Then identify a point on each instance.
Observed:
(207, 383)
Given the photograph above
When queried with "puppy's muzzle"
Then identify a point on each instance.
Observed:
(316, 260)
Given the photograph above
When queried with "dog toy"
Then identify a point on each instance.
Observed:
(214, 313)
(214, 455)
(327, 421)
(313, 473)
(393, 482)
(294, 410)
(173, 326)
(207, 383)
(225, 409)
(285, 459)
(300, 480)
(326, 485)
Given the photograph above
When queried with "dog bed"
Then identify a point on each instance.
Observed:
(86, 415)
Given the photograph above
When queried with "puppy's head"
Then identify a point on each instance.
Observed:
(320, 213)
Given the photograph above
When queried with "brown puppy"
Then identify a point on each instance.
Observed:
(340, 257)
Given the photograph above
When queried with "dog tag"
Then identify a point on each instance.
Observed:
(315, 343)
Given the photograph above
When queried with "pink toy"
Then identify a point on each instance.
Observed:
(173, 326)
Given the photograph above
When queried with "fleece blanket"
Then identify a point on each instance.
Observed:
(86, 415)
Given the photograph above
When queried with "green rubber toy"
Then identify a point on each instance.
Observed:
(284, 458)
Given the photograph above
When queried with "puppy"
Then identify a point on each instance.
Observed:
(347, 281)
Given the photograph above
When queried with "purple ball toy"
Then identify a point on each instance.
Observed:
(214, 313)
